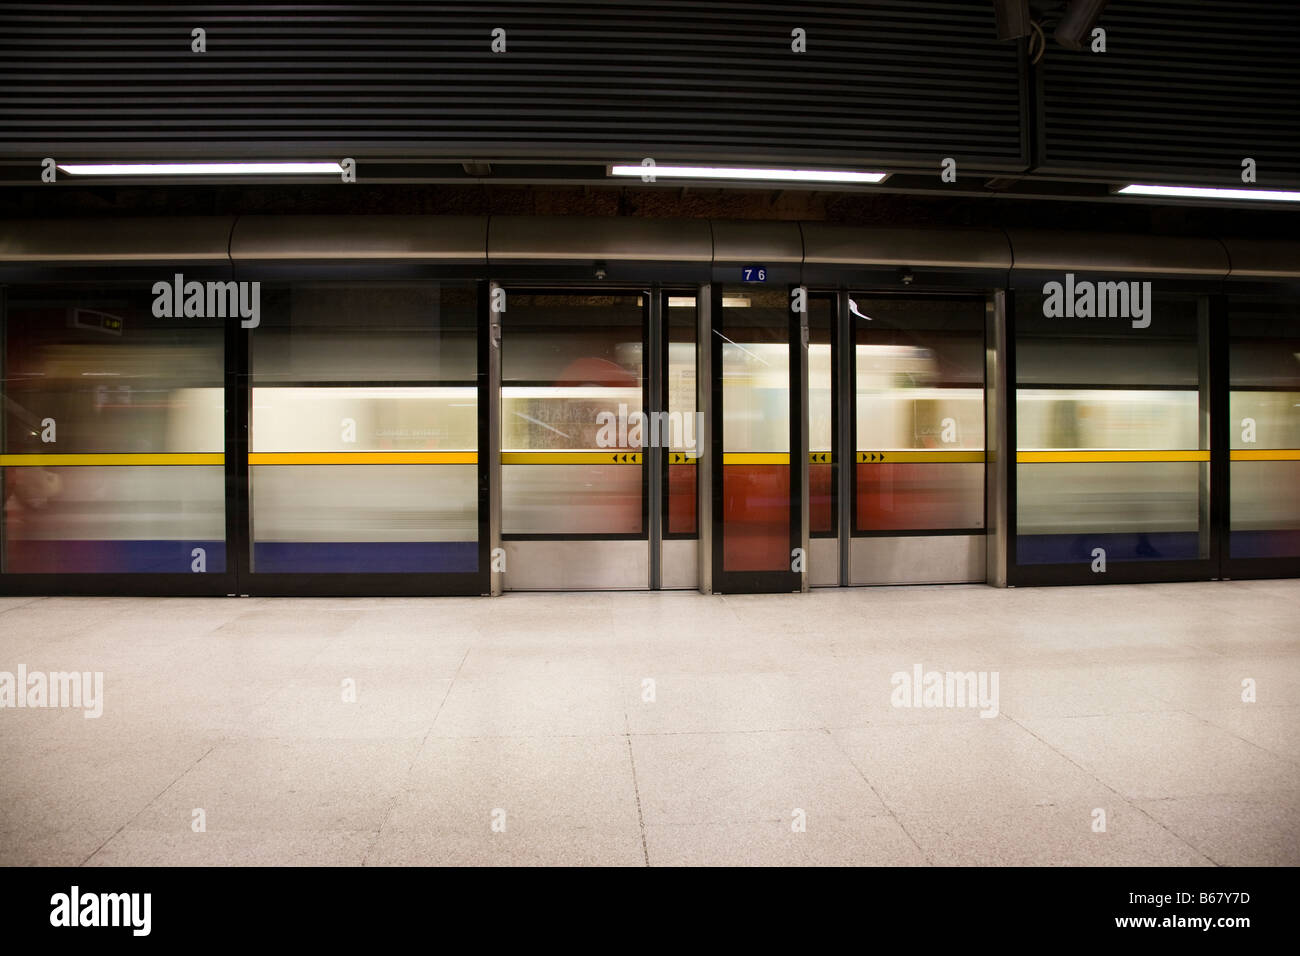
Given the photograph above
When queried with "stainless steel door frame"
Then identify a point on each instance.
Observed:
(497, 553)
(792, 576)
(801, 445)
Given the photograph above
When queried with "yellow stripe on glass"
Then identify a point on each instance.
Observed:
(1114, 455)
(571, 457)
(51, 461)
(363, 458)
(756, 458)
(1265, 454)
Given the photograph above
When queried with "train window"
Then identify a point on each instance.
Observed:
(1112, 435)
(1264, 427)
(920, 413)
(364, 438)
(113, 434)
(572, 387)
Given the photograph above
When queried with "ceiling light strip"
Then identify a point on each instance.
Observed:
(748, 173)
(1210, 192)
(201, 169)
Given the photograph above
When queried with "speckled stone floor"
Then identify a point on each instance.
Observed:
(671, 728)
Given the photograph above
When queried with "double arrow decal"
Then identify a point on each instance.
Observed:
(680, 459)
(819, 457)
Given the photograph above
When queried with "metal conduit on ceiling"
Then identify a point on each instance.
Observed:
(482, 241)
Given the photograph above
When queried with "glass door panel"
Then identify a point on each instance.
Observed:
(573, 434)
(918, 508)
(757, 498)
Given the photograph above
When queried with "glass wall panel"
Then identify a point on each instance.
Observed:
(821, 419)
(113, 447)
(374, 518)
(572, 429)
(755, 370)
(920, 413)
(363, 454)
(1112, 434)
(366, 332)
(684, 441)
(1264, 427)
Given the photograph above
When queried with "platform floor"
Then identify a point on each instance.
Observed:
(531, 709)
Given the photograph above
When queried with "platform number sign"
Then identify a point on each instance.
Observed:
(753, 274)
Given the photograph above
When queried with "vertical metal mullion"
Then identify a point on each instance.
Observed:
(707, 483)
(1008, 472)
(845, 447)
(997, 445)
(1204, 486)
(653, 461)
(799, 402)
(1215, 384)
(238, 394)
(493, 445)
(482, 352)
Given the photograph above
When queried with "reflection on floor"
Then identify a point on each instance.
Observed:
(662, 728)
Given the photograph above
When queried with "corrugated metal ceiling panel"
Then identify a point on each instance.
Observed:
(897, 81)
(1185, 90)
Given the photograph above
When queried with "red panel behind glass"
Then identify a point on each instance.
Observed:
(820, 480)
(910, 496)
(681, 499)
(756, 517)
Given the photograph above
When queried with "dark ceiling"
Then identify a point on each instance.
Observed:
(413, 91)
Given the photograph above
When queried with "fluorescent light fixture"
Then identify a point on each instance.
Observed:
(1211, 192)
(735, 302)
(200, 169)
(748, 172)
(681, 302)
